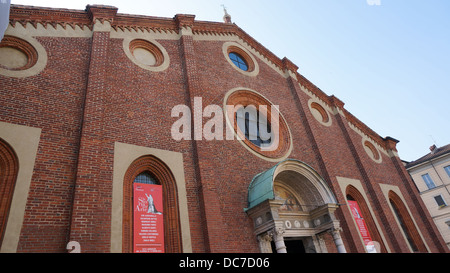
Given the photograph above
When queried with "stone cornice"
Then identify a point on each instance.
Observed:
(48, 16)
(332, 101)
(25, 15)
(144, 23)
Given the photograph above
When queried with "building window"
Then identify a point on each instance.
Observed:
(428, 181)
(447, 169)
(354, 195)
(146, 178)
(402, 225)
(150, 197)
(255, 127)
(257, 124)
(406, 223)
(440, 201)
(238, 60)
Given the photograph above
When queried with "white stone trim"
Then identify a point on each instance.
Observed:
(385, 188)
(343, 184)
(41, 56)
(25, 141)
(124, 155)
(325, 107)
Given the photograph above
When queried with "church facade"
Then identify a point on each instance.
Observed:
(129, 133)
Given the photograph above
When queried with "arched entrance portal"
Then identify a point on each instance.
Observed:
(292, 207)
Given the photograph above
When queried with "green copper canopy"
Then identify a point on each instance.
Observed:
(261, 187)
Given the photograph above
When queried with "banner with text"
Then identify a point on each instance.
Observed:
(357, 215)
(148, 218)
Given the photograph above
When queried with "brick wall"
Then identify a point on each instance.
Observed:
(53, 101)
(91, 95)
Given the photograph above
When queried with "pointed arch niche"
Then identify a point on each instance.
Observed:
(156, 172)
(161, 167)
(406, 223)
(353, 190)
(9, 166)
(19, 146)
(402, 215)
(353, 194)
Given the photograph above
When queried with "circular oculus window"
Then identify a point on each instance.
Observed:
(21, 56)
(146, 53)
(17, 54)
(319, 113)
(372, 151)
(240, 59)
(258, 124)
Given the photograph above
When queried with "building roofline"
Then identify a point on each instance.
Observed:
(440, 152)
(86, 18)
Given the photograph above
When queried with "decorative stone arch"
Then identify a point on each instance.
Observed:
(172, 232)
(21, 143)
(314, 206)
(406, 223)
(352, 193)
(9, 167)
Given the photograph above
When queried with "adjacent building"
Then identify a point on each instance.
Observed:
(130, 133)
(431, 174)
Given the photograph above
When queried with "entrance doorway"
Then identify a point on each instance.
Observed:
(291, 207)
(294, 245)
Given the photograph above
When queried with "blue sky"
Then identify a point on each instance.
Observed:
(389, 63)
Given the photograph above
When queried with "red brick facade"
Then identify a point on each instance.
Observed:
(90, 95)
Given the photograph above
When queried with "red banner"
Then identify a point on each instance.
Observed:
(356, 212)
(148, 219)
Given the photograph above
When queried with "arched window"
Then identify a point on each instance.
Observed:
(8, 175)
(146, 178)
(406, 223)
(354, 195)
(157, 183)
(256, 128)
